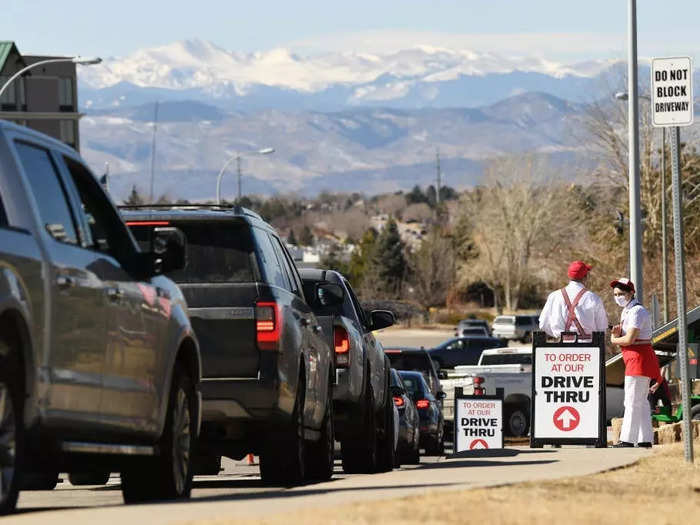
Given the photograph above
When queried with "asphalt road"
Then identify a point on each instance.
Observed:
(238, 491)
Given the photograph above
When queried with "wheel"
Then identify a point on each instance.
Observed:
(695, 413)
(283, 459)
(517, 422)
(321, 454)
(360, 455)
(88, 478)
(11, 430)
(39, 481)
(169, 474)
(207, 465)
(385, 438)
(413, 456)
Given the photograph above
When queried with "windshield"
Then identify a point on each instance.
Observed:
(506, 359)
(414, 385)
(216, 253)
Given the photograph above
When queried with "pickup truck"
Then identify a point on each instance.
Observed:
(99, 365)
(507, 368)
(362, 400)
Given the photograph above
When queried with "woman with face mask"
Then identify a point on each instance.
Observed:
(633, 336)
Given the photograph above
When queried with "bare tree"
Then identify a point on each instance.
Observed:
(432, 268)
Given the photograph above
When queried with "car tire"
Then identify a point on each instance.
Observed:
(11, 429)
(283, 459)
(321, 454)
(517, 421)
(169, 474)
(695, 413)
(39, 481)
(385, 438)
(89, 478)
(360, 455)
(413, 456)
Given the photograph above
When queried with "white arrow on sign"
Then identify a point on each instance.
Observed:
(566, 418)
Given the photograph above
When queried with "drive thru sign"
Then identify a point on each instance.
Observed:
(672, 91)
(568, 392)
(478, 422)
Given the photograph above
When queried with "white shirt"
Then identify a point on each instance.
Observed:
(634, 315)
(590, 312)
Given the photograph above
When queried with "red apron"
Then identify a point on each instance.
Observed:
(640, 360)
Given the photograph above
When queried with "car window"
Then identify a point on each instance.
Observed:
(49, 192)
(287, 266)
(358, 308)
(3, 215)
(506, 359)
(455, 345)
(271, 264)
(413, 385)
(220, 252)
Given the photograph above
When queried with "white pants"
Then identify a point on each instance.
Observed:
(636, 426)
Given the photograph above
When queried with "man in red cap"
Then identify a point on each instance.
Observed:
(574, 308)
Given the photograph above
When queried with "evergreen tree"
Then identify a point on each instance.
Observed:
(389, 261)
(306, 238)
(135, 198)
(332, 261)
(361, 262)
(291, 239)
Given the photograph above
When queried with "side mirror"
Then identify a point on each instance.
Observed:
(329, 294)
(168, 249)
(441, 395)
(442, 375)
(381, 319)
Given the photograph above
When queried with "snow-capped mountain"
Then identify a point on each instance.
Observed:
(418, 77)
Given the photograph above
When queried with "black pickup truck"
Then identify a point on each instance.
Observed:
(99, 366)
(267, 372)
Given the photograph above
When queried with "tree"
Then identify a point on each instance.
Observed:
(389, 261)
(306, 238)
(291, 239)
(333, 261)
(134, 198)
(361, 266)
(432, 268)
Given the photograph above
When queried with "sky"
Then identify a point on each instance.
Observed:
(558, 29)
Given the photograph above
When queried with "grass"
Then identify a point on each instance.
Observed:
(659, 489)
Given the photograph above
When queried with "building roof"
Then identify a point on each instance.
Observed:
(7, 48)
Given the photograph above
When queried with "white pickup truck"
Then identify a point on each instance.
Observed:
(506, 368)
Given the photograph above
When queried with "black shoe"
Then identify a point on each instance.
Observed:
(622, 444)
(644, 444)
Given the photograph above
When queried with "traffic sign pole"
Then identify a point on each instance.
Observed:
(678, 247)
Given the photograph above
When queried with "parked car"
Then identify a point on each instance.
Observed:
(361, 395)
(408, 450)
(99, 365)
(472, 323)
(515, 327)
(429, 412)
(267, 369)
(462, 350)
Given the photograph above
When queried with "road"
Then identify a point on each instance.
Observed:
(238, 491)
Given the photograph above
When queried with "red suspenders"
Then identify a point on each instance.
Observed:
(571, 317)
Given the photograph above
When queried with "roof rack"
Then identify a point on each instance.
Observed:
(234, 208)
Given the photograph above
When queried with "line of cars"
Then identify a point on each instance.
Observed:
(153, 341)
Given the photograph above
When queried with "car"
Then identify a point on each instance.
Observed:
(408, 450)
(99, 365)
(515, 327)
(408, 358)
(362, 402)
(472, 323)
(429, 412)
(462, 350)
(267, 369)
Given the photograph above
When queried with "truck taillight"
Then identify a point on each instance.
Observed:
(478, 391)
(341, 343)
(398, 401)
(267, 325)
(478, 380)
(478, 383)
(422, 404)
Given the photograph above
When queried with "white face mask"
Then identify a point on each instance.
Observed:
(621, 300)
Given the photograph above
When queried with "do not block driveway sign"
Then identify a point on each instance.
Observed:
(672, 91)
(568, 401)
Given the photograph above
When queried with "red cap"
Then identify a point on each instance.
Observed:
(624, 283)
(579, 269)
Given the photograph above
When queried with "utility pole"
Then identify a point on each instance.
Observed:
(635, 213)
(153, 152)
(238, 170)
(437, 187)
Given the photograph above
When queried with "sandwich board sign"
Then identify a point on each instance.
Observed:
(478, 422)
(568, 392)
(672, 92)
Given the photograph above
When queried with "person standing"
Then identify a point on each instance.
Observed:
(574, 308)
(633, 336)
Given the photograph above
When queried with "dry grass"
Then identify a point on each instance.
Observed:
(659, 489)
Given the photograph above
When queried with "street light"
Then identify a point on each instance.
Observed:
(237, 157)
(622, 95)
(83, 61)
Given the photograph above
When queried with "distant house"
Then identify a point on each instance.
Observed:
(45, 98)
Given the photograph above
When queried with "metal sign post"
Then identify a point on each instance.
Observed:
(672, 106)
